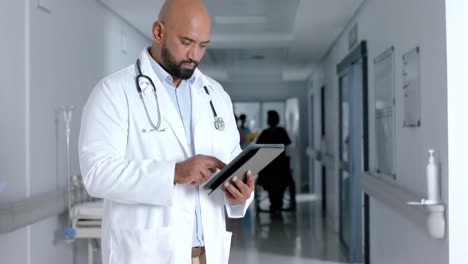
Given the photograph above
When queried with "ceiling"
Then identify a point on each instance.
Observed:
(258, 40)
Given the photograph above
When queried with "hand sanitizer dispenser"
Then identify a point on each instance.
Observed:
(432, 174)
(432, 210)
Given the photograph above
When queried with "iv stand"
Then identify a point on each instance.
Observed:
(67, 115)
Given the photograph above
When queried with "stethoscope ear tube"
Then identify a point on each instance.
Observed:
(140, 80)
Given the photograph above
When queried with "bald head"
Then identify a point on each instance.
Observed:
(173, 11)
(185, 17)
(181, 35)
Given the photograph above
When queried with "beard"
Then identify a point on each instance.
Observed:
(173, 67)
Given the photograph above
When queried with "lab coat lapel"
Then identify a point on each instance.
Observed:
(168, 111)
(201, 113)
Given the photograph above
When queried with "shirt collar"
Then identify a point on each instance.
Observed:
(162, 74)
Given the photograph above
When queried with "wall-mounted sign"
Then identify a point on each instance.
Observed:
(411, 89)
(384, 106)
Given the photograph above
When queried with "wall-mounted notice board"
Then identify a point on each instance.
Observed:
(411, 89)
(384, 103)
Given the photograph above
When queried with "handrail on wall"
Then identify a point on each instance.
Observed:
(431, 217)
(16, 215)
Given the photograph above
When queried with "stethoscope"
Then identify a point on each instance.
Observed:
(144, 80)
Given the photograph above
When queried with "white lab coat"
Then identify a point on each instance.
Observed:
(147, 219)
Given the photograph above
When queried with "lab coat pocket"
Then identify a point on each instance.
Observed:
(227, 245)
(142, 246)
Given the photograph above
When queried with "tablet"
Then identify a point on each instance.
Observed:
(254, 157)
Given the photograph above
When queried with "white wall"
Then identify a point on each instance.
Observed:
(276, 92)
(12, 107)
(52, 59)
(12, 99)
(457, 68)
(405, 25)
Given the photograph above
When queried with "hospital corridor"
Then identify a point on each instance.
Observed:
(233, 131)
(286, 238)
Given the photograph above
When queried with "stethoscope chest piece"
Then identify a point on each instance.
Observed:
(219, 123)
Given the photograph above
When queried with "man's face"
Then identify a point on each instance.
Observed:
(182, 44)
(179, 69)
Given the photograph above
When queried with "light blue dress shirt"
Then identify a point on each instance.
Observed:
(182, 99)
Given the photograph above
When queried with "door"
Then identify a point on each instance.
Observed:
(344, 147)
(323, 167)
(353, 153)
(311, 186)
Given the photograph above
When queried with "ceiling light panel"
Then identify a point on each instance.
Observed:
(252, 17)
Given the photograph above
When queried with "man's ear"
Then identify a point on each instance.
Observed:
(158, 31)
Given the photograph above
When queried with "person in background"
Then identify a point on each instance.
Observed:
(244, 131)
(146, 152)
(277, 175)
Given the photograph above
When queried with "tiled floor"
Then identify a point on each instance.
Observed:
(292, 238)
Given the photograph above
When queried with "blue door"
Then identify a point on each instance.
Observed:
(353, 157)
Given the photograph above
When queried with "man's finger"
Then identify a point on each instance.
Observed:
(246, 186)
(231, 198)
(205, 173)
(232, 190)
(241, 186)
(249, 179)
(214, 163)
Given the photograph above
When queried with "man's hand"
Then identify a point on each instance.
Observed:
(197, 169)
(237, 191)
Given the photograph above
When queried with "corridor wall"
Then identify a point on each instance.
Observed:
(13, 126)
(53, 56)
(404, 25)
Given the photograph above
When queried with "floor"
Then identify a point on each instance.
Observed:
(291, 238)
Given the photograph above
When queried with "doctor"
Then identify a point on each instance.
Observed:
(151, 134)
